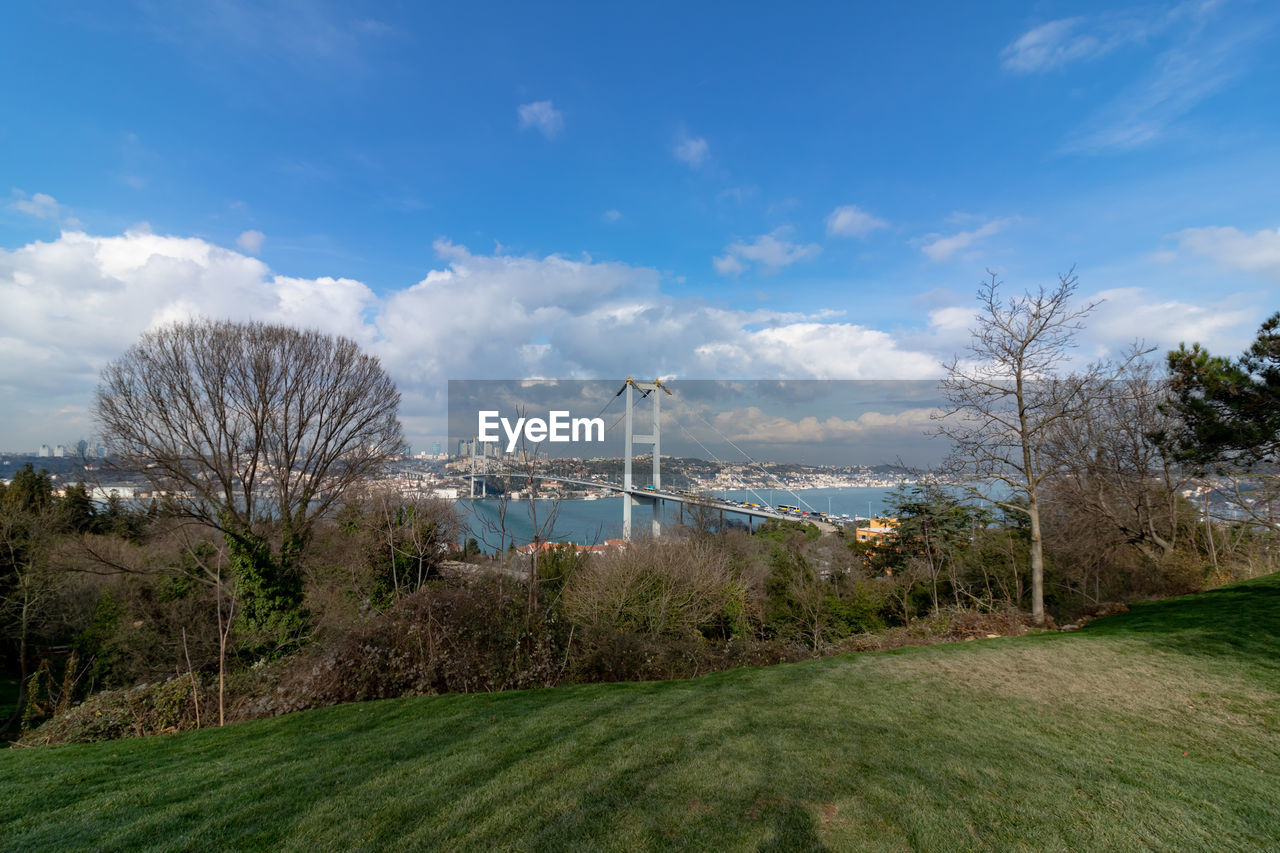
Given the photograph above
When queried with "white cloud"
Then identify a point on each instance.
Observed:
(1224, 325)
(751, 424)
(39, 205)
(612, 215)
(770, 251)
(729, 265)
(1203, 58)
(251, 241)
(802, 347)
(1258, 252)
(1067, 40)
(952, 320)
(692, 151)
(542, 116)
(75, 302)
(939, 248)
(851, 221)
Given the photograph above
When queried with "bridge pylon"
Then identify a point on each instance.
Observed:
(654, 438)
(485, 452)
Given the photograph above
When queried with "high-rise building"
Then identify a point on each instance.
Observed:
(44, 450)
(60, 451)
(82, 448)
(435, 448)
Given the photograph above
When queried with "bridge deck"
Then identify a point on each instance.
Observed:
(684, 498)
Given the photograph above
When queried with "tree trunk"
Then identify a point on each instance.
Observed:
(24, 673)
(1037, 562)
(1208, 531)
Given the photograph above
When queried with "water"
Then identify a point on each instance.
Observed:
(859, 501)
(588, 521)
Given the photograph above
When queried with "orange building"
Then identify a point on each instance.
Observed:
(877, 530)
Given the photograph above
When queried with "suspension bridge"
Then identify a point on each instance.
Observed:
(486, 464)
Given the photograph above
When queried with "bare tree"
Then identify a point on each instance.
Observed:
(700, 516)
(412, 535)
(1113, 471)
(212, 562)
(254, 429)
(1006, 399)
(522, 469)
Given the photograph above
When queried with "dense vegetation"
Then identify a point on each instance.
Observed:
(1157, 728)
(128, 620)
(135, 611)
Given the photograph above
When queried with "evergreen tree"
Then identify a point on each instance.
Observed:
(1229, 408)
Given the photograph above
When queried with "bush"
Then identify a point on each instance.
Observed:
(439, 639)
(859, 607)
(146, 709)
(667, 589)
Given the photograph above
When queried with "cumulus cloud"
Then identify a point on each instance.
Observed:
(692, 151)
(938, 247)
(74, 303)
(771, 252)
(1126, 314)
(251, 241)
(1258, 252)
(851, 221)
(612, 215)
(752, 424)
(807, 347)
(542, 116)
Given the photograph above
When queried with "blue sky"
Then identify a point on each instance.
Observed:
(733, 190)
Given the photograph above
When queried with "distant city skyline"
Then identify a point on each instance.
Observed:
(684, 190)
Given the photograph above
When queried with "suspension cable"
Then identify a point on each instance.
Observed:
(747, 456)
(705, 450)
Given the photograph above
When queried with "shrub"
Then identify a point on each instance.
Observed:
(671, 589)
(439, 639)
(146, 709)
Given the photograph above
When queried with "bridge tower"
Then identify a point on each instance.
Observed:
(485, 452)
(654, 438)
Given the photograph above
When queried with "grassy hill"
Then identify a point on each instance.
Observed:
(1158, 728)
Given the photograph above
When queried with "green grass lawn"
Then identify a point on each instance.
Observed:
(1156, 729)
